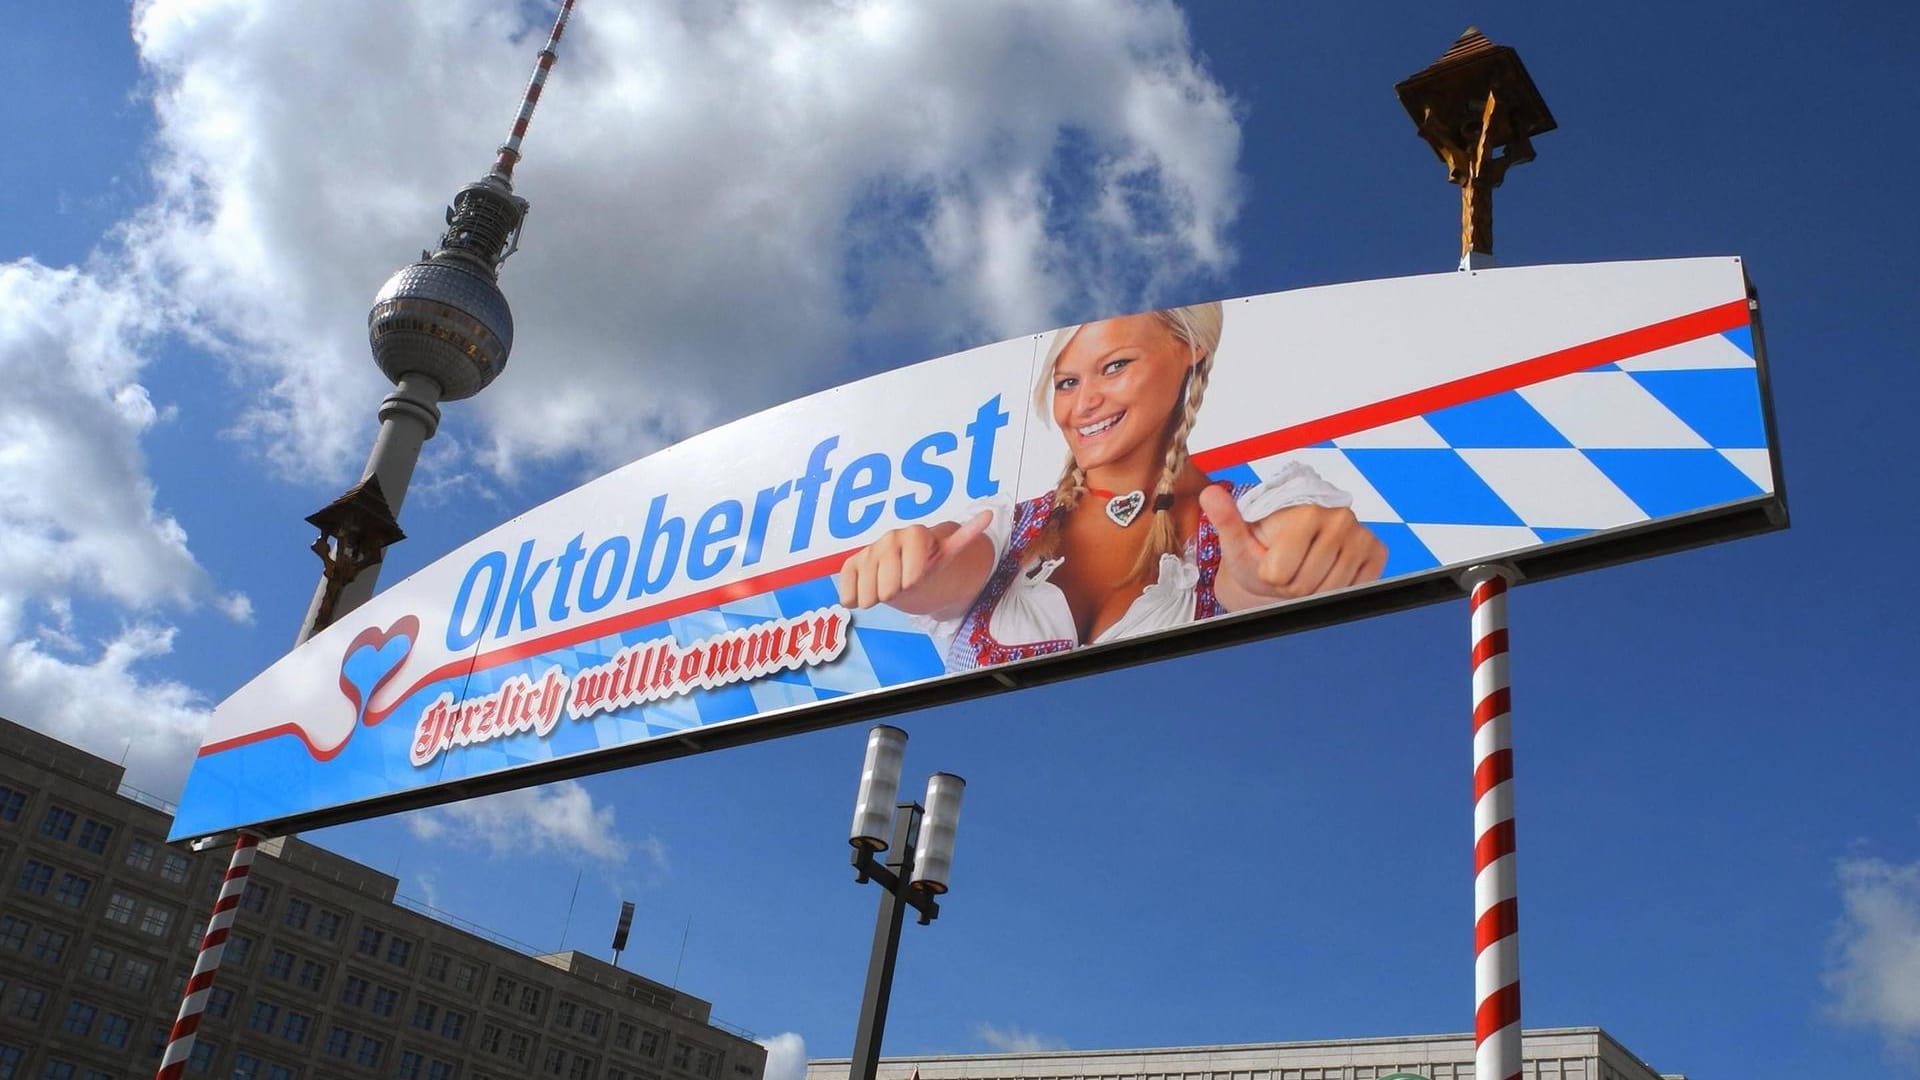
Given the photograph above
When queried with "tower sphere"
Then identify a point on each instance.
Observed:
(437, 318)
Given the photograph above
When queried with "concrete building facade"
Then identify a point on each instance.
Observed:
(327, 975)
(1547, 1054)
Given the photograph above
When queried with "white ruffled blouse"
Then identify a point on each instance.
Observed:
(1033, 609)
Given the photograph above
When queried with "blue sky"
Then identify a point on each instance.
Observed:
(1719, 837)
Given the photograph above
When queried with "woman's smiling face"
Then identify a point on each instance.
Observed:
(1115, 388)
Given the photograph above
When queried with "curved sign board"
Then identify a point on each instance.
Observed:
(1105, 494)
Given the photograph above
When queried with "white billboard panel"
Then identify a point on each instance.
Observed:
(1097, 495)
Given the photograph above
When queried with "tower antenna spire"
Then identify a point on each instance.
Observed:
(441, 330)
(509, 154)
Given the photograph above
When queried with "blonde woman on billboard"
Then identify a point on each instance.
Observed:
(1133, 537)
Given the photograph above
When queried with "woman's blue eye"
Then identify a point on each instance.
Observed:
(1113, 367)
(1065, 384)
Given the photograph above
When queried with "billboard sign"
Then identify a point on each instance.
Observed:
(1103, 494)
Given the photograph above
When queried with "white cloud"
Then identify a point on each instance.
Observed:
(1874, 975)
(1013, 1040)
(721, 192)
(557, 817)
(101, 704)
(79, 518)
(786, 1056)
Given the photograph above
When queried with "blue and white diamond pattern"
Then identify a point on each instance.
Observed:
(1667, 432)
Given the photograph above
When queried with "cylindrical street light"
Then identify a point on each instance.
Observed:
(921, 863)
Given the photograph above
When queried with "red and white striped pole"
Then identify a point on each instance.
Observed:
(212, 946)
(1496, 921)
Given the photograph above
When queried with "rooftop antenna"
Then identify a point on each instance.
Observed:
(440, 329)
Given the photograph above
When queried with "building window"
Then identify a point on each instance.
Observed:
(239, 950)
(339, 1043)
(34, 878)
(371, 1051)
(156, 921)
(256, 897)
(94, 836)
(555, 1063)
(174, 867)
(294, 1028)
(57, 1070)
(28, 1001)
(115, 1030)
(424, 1014)
(263, 1016)
(704, 1061)
(13, 933)
(280, 965)
(437, 967)
(140, 854)
(399, 951)
(354, 991)
(532, 999)
(384, 1000)
(201, 1059)
(11, 803)
(440, 1070)
(623, 1035)
(58, 823)
(518, 1047)
(590, 1022)
(327, 925)
(503, 989)
(246, 1067)
(49, 945)
(649, 1043)
(313, 974)
(490, 1036)
(581, 1069)
(370, 939)
(296, 914)
(466, 977)
(73, 890)
(219, 1001)
(453, 1025)
(136, 974)
(79, 1018)
(409, 1067)
(10, 1058)
(565, 1014)
(120, 908)
(100, 960)
(682, 1054)
(278, 1072)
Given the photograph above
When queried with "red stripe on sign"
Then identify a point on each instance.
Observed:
(1498, 703)
(1496, 768)
(1606, 350)
(1566, 361)
(1502, 1007)
(1501, 920)
(1495, 843)
(1488, 647)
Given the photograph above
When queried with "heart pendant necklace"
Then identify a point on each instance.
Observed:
(1123, 509)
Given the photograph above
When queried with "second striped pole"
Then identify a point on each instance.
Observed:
(1496, 925)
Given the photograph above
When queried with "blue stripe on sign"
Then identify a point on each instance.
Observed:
(725, 703)
(1432, 487)
(1499, 422)
(1405, 553)
(899, 656)
(1548, 536)
(1235, 474)
(1722, 404)
(806, 596)
(1741, 336)
(1664, 482)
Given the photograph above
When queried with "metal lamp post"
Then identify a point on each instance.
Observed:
(917, 872)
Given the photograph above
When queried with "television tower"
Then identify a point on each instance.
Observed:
(441, 330)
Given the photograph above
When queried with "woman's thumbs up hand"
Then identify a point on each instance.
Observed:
(919, 569)
(1290, 553)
